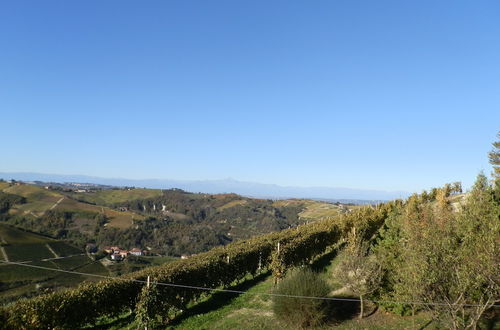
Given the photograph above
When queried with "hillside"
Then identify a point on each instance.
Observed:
(32, 249)
(399, 240)
(168, 222)
(115, 196)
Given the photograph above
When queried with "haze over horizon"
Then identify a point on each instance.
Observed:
(386, 95)
(226, 185)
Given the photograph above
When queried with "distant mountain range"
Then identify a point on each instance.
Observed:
(250, 189)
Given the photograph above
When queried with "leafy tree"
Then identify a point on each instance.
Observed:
(448, 260)
(358, 270)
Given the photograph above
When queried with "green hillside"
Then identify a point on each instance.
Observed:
(170, 223)
(402, 240)
(114, 196)
(184, 223)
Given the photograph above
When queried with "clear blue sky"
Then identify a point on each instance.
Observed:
(363, 94)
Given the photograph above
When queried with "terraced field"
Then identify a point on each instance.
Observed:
(28, 252)
(32, 249)
(20, 246)
(63, 250)
(71, 263)
(14, 236)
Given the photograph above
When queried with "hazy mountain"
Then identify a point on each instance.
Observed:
(221, 186)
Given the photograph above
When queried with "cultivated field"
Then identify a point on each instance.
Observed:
(107, 197)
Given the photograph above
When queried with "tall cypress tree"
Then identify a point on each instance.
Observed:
(494, 156)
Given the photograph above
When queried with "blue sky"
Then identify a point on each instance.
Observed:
(362, 94)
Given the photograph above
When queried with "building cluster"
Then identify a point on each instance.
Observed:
(119, 254)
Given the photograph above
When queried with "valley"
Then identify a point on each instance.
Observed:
(53, 227)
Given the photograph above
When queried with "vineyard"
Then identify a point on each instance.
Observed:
(218, 268)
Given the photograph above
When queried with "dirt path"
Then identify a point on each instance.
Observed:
(5, 256)
(59, 258)
(51, 250)
(57, 203)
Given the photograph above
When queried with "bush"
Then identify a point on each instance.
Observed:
(302, 312)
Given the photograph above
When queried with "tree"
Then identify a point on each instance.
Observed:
(494, 156)
(478, 230)
(358, 270)
(449, 260)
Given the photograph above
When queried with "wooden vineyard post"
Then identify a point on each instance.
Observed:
(147, 286)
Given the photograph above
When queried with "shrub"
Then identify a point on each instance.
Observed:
(302, 312)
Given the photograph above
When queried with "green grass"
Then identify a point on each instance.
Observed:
(254, 311)
(230, 311)
(27, 252)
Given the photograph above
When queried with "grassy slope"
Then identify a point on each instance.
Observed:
(254, 311)
(313, 210)
(319, 210)
(118, 219)
(40, 200)
(107, 197)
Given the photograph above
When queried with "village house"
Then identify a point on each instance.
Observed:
(119, 254)
(136, 252)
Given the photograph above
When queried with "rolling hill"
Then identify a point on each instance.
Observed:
(169, 222)
(50, 226)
